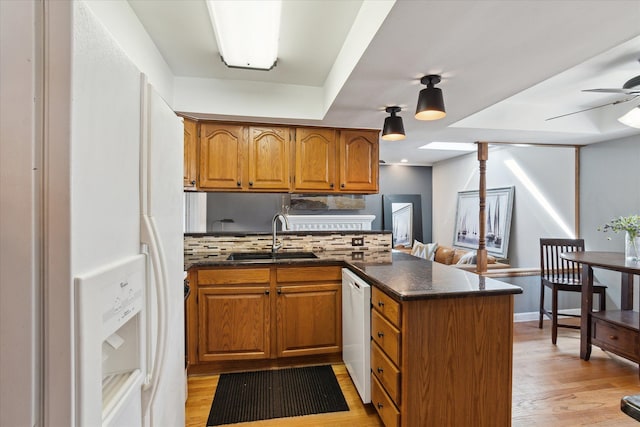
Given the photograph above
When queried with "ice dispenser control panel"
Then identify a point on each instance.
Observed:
(122, 300)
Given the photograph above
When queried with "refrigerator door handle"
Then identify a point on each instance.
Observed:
(156, 253)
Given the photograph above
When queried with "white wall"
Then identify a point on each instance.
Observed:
(124, 26)
(610, 184)
(543, 201)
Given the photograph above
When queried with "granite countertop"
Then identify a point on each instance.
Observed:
(412, 278)
(400, 275)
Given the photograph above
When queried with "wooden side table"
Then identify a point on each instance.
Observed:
(617, 331)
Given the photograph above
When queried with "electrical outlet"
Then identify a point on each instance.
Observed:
(357, 241)
(357, 256)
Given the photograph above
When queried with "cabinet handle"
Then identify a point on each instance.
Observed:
(613, 337)
(250, 183)
(279, 291)
(341, 185)
(380, 334)
(239, 183)
(380, 405)
(380, 304)
(380, 370)
(266, 292)
(331, 185)
(193, 182)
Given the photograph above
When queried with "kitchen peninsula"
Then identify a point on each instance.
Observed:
(442, 338)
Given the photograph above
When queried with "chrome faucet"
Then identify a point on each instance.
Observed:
(275, 245)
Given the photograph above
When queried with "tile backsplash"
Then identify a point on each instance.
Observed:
(339, 241)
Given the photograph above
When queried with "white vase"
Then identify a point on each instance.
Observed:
(632, 248)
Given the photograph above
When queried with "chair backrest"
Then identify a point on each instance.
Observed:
(552, 266)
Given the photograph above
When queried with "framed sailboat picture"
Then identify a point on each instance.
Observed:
(499, 204)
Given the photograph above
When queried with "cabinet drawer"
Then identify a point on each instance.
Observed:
(232, 276)
(386, 336)
(616, 338)
(387, 411)
(386, 372)
(308, 274)
(385, 305)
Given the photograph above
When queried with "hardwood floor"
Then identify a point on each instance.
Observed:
(551, 387)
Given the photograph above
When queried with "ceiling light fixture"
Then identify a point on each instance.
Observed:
(430, 101)
(393, 129)
(631, 118)
(247, 32)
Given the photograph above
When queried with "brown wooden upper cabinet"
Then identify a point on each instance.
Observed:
(190, 154)
(268, 158)
(336, 161)
(315, 159)
(223, 148)
(358, 157)
(236, 157)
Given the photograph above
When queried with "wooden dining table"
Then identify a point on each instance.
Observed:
(617, 331)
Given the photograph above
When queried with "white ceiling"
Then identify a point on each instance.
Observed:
(507, 65)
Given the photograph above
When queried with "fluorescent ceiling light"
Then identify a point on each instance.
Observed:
(632, 118)
(404, 161)
(450, 146)
(247, 32)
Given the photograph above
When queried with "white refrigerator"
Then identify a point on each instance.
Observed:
(130, 334)
(127, 239)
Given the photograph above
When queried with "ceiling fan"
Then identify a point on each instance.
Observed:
(631, 87)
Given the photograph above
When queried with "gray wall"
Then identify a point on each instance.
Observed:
(543, 205)
(610, 187)
(253, 211)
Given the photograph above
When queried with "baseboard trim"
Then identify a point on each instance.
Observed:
(534, 315)
(526, 317)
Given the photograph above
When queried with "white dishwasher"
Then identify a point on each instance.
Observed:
(356, 331)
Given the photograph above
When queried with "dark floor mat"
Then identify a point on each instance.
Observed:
(262, 395)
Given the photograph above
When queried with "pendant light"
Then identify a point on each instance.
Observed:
(430, 101)
(393, 129)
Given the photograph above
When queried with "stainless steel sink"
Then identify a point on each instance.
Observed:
(250, 256)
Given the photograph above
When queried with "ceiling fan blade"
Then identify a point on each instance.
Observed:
(620, 101)
(621, 90)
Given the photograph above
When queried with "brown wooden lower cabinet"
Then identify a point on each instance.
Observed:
(234, 323)
(443, 361)
(268, 312)
(309, 319)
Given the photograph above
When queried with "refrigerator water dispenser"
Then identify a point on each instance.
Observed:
(109, 342)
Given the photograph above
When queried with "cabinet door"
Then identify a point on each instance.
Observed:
(309, 319)
(315, 159)
(358, 161)
(222, 149)
(234, 323)
(190, 154)
(269, 158)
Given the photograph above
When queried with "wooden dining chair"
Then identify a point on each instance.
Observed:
(559, 274)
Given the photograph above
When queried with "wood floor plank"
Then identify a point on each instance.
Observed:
(551, 387)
